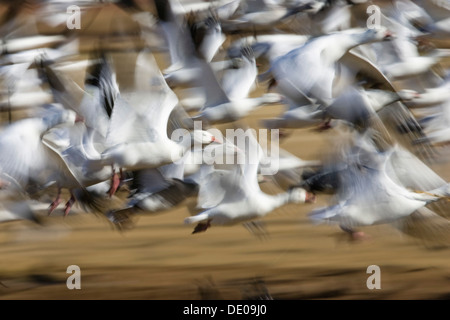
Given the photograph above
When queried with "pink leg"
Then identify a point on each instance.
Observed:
(69, 205)
(359, 236)
(55, 203)
(115, 182)
(122, 177)
(355, 235)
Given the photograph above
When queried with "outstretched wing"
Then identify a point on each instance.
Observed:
(142, 110)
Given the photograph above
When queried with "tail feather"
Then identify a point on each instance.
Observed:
(198, 218)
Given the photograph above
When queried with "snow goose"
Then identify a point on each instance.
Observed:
(159, 189)
(370, 191)
(244, 68)
(236, 77)
(77, 145)
(258, 14)
(155, 190)
(427, 227)
(439, 29)
(285, 169)
(434, 20)
(191, 48)
(229, 111)
(357, 106)
(137, 137)
(223, 94)
(208, 36)
(432, 96)
(26, 92)
(325, 17)
(265, 15)
(214, 153)
(226, 10)
(296, 117)
(228, 101)
(231, 79)
(354, 105)
(310, 70)
(432, 111)
(433, 26)
(187, 36)
(403, 167)
(270, 46)
(29, 161)
(16, 210)
(22, 79)
(435, 125)
(18, 205)
(414, 65)
(401, 59)
(343, 145)
(233, 196)
(21, 87)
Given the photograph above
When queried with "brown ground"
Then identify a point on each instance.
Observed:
(160, 259)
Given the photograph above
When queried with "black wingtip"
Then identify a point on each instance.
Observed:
(163, 10)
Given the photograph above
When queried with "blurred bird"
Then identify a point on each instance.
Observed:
(372, 190)
(229, 197)
(315, 62)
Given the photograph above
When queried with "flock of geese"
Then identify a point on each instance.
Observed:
(383, 89)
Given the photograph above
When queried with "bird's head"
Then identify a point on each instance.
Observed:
(300, 195)
(408, 95)
(203, 137)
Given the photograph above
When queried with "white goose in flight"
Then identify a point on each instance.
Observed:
(229, 197)
(372, 189)
(137, 137)
(310, 70)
